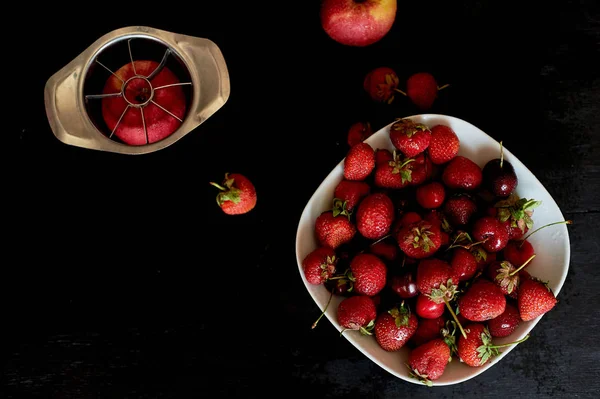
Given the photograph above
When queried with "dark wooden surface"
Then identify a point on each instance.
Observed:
(122, 278)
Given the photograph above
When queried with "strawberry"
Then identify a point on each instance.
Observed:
(419, 240)
(516, 214)
(535, 298)
(395, 327)
(427, 330)
(395, 173)
(462, 173)
(505, 324)
(409, 217)
(422, 90)
(350, 193)
(409, 137)
(421, 170)
(359, 132)
(506, 275)
(368, 274)
(383, 156)
(333, 231)
(517, 252)
(438, 217)
(374, 216)
(237, 196)
(477, 349)
(437, 280)
(385, 250)
(463, 263)
(357, 313)
(459, 209)
(444, 144)
(428, 362)
(381, 84)
(319, 265)
(482, 301)
(430, 195)
(359, 162)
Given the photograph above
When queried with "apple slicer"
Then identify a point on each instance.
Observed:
(136, 90)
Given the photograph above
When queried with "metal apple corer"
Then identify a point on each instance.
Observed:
(136, 90)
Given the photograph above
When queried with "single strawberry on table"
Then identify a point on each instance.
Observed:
(359, 162)
(319, 265)
(395, 327)
(237, 194)
(422, 89)
(428, 361)
(477, 348)
(409, 137)
(535, 298)
(381, 84)
(444, 144)
(357, 313)
(374, 216)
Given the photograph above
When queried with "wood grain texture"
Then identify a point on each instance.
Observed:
(122, 278)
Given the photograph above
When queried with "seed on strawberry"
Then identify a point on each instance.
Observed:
(422, 89)
(482, 301)
(381, 84)
(428, 362)
(419, 240)
(430, 195)
(333, 231)
(491, 232)
(444, 144)
(462, 173)
(374, 216)
(477, 348)
(359, 132)
(459, 209)
(319, 265)
(427, 330)
(359, 162)
(535, 298)
(351, 192)
(505, 324)
(237, 194)
(409, 137)
(357, 313)
(395, 327)
(368, 274)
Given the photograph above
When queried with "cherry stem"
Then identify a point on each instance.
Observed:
(381, 239)
(324, 310)
(462, 331)
(468, 246)
(522, 266)
(535, 231)
(501, 154)
(218, 186)
(400, 91)
(512, 343)
(444, 86)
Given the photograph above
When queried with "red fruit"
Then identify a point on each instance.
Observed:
(422, 89)
(462, 173)
(427, 330)
(477, 349)
(444, 239)
(395, 327)
(385, 250)
(238, 194)
(463, 263)
(374, 216)
(357, 313)
(383, 156)
(492, 231)
(333, 231)
(409, 137)
(436, 279)
(482, 301)
(351, 192)
(421, 170)
(437, 217)
(506, 275)
(505, 324)
(431, 195)
(444, 144)
(428, 309)
(517, 252)
(482, 257)
(409, 218)
(428, 361)
(127, 119)
(535, 298)
(459, 209)
(419, 240)
(405, 285)
(516, 213)
(381, 84)
(359, 162)
(319, 265)
(394, 174)
(368, 274)
(359, 132)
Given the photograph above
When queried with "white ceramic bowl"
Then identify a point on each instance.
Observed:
(551, 245)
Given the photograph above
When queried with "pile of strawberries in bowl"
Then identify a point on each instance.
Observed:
(425, 250)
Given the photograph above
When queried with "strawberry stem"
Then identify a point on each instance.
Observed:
(522, 266)
(217, 186)
(462, 331)
(324, 310)
(511, 343)
(535, 231)
(443, 87)
(400, 91)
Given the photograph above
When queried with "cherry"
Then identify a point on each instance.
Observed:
(499, 176)
(428, 309)
(491, 231)
(405, 285)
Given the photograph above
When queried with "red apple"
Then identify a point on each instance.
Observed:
(159, 123)
(357, 22)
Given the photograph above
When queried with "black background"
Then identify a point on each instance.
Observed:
(123, 279)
